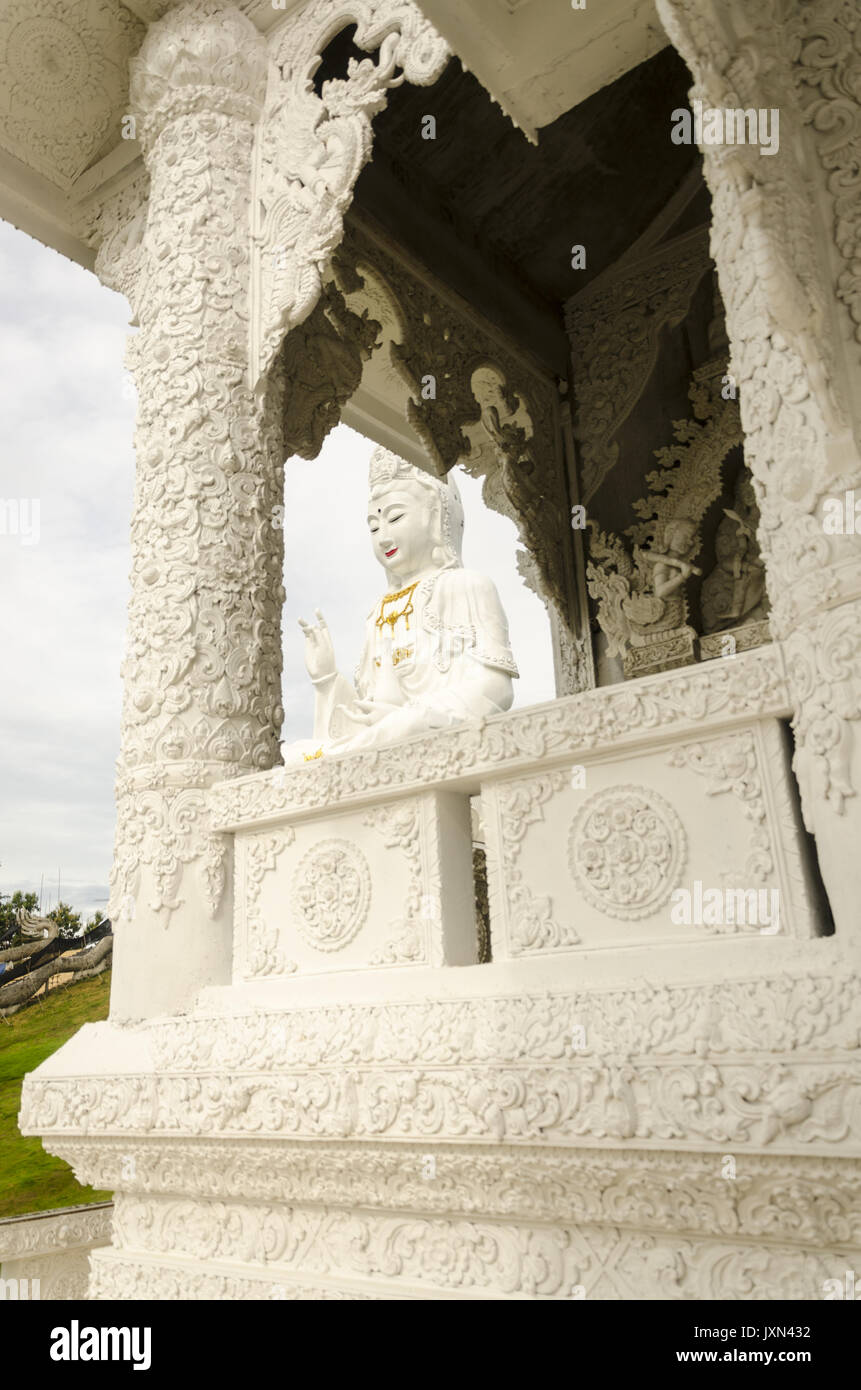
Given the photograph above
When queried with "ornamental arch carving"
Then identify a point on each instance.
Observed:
(467, 397)
(311, 147)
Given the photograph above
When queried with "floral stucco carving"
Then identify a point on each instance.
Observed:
(782, 284)
(587, 1263)
(310, 149)
(778, 298)
(203, 656)
(731, 765)
(662, 1190)
(626, 851)
(49, 1233)
(256, 856)
(400, 824)
(331, 894)
(765, 1062)
(826, 56)
(71, 58)
(532, 922)
(460, 1254)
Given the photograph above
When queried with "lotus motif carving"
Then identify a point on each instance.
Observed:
(331, 894)
(626, 849)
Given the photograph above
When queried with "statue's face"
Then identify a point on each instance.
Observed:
(726, 543)
(678, 536)
(400, 525)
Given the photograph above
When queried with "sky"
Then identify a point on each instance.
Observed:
(66, 425)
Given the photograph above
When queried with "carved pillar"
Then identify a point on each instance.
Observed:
(785, 239)
(203, 658)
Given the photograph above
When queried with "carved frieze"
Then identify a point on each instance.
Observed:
(734, 640)
(590, 1263)
(759, 1063)
(461, 1256)
(748, 686)
(668, 1191)
(48, 1234)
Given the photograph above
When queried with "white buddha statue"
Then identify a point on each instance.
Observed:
(436, 649)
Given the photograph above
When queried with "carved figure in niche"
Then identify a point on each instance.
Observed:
(641, 584)
(620, 584)
(671, 568)
(734, 592)
(643, 608)
(436, 649)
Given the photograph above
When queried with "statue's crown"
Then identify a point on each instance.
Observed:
(387, 467)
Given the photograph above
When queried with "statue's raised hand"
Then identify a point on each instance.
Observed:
(319, 652)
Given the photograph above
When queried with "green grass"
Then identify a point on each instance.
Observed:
(30, 1179)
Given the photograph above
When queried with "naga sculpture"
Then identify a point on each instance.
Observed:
(28, 968)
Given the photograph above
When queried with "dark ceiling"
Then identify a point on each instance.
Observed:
(495, 216)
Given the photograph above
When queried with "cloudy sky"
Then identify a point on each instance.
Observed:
(67, 412)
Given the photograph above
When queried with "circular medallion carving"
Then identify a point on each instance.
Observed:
(48, 57)
(626, 849)
(331, 894)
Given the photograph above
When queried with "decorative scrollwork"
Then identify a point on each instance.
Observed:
(311, 148)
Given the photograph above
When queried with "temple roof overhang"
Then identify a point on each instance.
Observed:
(64, 86)
(539, 59)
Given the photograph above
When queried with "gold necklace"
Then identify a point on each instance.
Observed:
(392, 618)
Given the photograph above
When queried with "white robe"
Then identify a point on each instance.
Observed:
(433, 664)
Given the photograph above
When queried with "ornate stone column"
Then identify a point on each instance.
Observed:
(789, 277)
(203, 659)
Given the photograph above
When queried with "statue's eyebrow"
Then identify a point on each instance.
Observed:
(387, 507)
